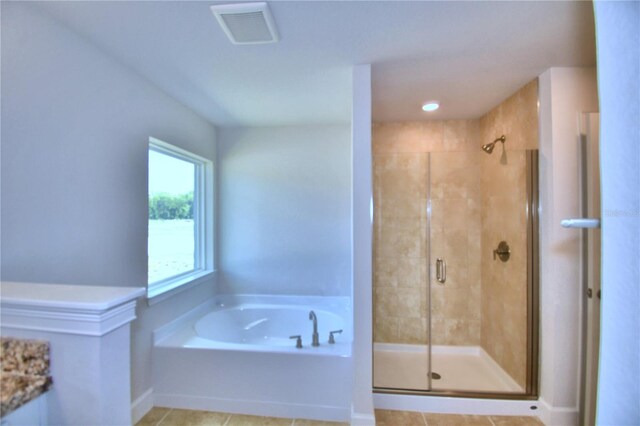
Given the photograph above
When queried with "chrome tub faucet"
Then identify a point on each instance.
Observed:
(315, 338)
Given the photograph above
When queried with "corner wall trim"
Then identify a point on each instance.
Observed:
(362, 419)
(141, 406)
(559, 416)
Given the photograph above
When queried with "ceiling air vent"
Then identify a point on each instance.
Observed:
(246, 23)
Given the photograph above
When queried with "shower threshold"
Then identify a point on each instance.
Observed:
(461, 368)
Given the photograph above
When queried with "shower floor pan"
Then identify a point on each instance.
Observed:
(461, 368)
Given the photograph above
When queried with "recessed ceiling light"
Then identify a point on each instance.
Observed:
(430, 106)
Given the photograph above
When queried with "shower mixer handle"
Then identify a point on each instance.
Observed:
(503, 251)
(441, 270)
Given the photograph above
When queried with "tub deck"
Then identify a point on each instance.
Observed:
(195, 373)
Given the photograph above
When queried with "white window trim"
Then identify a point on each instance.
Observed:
(203, 220)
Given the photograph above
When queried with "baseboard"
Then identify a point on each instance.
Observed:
(256, 408)
(362, 420)
(558, 416)
(141, 406)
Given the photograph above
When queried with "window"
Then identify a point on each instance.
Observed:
(180, 242)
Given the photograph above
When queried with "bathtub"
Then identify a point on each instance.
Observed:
(269, 327)
(234, 354)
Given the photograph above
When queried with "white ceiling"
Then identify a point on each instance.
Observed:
(468, 55)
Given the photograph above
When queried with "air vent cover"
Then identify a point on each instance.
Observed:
(246, 23)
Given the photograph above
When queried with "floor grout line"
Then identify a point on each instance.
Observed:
(491, 420)
(164, 417)
(226, 422)
(294, 421)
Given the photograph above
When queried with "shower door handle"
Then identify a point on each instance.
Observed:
(441, 271)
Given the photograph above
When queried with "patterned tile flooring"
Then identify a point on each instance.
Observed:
(175, 417)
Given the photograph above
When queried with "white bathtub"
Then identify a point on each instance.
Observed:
(233, 354)
(261, 327)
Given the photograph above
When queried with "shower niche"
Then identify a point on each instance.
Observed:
(455, 260)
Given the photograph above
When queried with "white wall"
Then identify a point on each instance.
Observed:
(362, 248)
(284, 210)
(75, 126)
(564, 94)
(618, 48)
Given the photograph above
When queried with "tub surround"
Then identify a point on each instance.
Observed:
(267, 380)
(25, 372)
(88, 329)
(187, 331)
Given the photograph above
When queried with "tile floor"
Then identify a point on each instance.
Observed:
(174, 417)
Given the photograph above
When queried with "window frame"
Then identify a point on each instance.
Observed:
(202, 219)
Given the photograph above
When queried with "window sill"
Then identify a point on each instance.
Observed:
(172, 288)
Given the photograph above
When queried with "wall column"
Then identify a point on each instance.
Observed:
(361, 183)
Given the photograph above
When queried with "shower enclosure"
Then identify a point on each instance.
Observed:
(455, 253)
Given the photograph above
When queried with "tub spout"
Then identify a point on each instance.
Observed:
(315, 340)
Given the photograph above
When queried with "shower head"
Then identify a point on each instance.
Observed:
(488, 148)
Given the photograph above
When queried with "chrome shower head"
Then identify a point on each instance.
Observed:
(488, 148)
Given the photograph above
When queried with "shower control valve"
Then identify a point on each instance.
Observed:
(332, 340)
(298, 340)
(503, 251)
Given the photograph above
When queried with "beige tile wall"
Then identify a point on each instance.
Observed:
(477, 200)
(503, 207)
(455, 237)
(401, 184)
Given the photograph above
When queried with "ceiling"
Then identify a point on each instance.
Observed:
(468, 55)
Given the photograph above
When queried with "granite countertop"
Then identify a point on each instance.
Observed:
(24, 365)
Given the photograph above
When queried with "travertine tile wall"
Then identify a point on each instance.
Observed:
(455, 237)
(477, 200)
(401, 242)
(400, 247)
(503, 207)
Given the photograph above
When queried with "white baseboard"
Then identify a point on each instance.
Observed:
(141, 406)
(552, 416)
(558, 416)
(362, 419)
(257, 408)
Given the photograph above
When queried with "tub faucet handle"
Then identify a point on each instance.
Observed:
(331, 333)
(298, 341)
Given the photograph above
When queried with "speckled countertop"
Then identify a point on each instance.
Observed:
(24, 366)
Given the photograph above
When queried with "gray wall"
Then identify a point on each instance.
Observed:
(618, 38)
(75, 126)
(284, 210)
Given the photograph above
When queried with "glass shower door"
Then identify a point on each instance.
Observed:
(455, 265)
(480, 255)
(400, 250)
